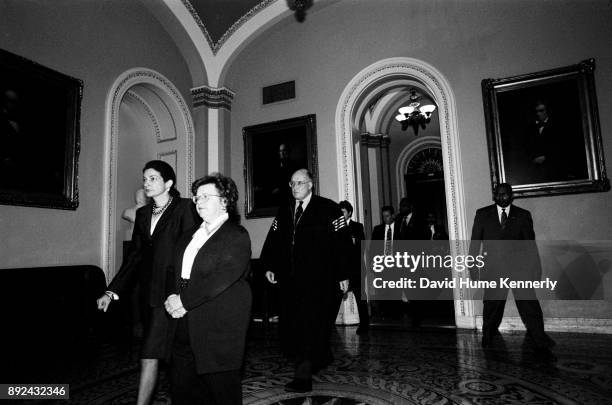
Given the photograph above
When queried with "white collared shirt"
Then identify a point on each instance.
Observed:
(541, 126)
(154, 221)
(408, 218)
(305, 203)
(499, 211)
(392, 231)
(198, 240)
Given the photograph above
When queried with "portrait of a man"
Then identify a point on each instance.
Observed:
(274, 151)
(543, 131)
(543, 142)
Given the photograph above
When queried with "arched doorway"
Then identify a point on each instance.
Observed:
(423, 177)
(146, 118)
(355, 103)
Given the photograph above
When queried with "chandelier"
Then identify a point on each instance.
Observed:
(415, 115)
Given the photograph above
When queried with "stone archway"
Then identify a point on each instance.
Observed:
(366, 85)
(161, 99)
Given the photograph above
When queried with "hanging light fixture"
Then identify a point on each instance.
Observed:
(300, 7)
(414, 114)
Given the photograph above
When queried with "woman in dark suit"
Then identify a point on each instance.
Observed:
(157, 228)
(211, 299)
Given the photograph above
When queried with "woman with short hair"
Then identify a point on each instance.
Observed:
(212, 299)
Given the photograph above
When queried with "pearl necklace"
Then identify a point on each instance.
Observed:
(157, 210)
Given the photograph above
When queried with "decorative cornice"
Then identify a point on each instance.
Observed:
(212, 97)
(215, 46)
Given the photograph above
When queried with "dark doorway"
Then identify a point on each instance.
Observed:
(424, 180)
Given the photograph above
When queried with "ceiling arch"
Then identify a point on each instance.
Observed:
(211, 33)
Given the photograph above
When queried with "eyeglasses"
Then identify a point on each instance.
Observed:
(203, 197)
(297, 183)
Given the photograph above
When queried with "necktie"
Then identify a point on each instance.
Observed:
(296, 218)
(504, 218)
(298, 213)
(388, 241)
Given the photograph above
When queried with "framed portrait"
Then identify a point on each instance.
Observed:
(543, 132)
(39, 131)
(273, 152)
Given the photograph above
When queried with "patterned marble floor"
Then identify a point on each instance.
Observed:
(443, 366)
(424, 366)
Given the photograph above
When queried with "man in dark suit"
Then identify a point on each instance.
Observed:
(411, 226)
(389, 229)
(355, 282)
(389, 232)
(512, 258)
(307, 252)
(435, 230)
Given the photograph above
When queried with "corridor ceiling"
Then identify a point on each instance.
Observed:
(221, 17)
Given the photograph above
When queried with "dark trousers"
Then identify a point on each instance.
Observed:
(189, 387)
(362, 306)
(313, 353)
(528, 309)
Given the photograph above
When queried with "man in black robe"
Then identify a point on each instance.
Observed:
(307, 252)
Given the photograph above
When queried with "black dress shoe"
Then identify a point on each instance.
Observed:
(298, 385)
(545, 355)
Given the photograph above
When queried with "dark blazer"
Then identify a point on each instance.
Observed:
(416, 229)
(513, 256)
(151, 255)
(378, 233)
(357, 234)
(217, 299)
(438, 234)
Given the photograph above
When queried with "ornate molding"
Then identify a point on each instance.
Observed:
(215, 46)
(147, 109)
(363, 83)
(212, 97)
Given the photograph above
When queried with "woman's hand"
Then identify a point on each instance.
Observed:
(174, 306)
(103, 302)
(179, 313)
(172, 303)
